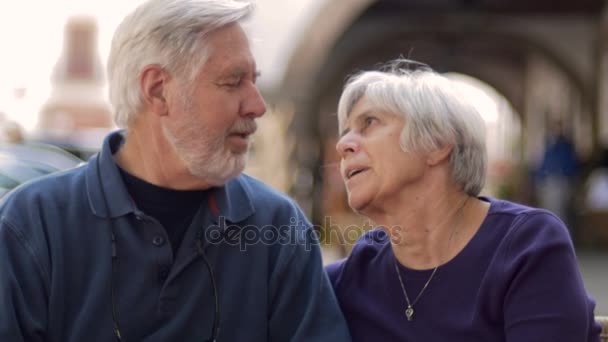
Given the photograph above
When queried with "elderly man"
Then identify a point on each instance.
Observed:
(145, 242)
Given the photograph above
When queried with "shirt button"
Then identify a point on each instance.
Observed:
(163, 273)
(158, 241)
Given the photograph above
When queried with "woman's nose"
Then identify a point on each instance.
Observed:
(347, 144)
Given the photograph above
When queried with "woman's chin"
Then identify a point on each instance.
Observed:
(358, 204)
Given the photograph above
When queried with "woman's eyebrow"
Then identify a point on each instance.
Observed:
(358, 117)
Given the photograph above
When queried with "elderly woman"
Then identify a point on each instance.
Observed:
(445, 263)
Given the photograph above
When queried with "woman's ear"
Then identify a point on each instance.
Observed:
(439, 155)
(153, 82)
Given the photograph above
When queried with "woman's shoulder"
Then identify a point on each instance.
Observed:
(367, 248)
(509, 208)
(515, 216)
(525, 226)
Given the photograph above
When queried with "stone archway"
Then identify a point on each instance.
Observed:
(492, 47)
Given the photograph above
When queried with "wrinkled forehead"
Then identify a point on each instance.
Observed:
(229, 51)
(228, 40)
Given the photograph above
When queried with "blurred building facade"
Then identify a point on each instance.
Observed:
(76, 116)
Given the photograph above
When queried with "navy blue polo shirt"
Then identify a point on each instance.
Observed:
(56, 265)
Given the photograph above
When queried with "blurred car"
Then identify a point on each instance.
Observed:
(20, 163)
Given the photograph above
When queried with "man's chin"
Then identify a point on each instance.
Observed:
(239, 151)
(230, 170)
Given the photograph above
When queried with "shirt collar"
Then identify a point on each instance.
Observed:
(232, 201)
(108, 196)
(107, 193)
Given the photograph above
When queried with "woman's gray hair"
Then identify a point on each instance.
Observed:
(169, 33)
(435, 112)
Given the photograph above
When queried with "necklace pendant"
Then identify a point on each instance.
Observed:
(409, 313)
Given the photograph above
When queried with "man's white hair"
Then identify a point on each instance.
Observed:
(170, 33)
(436, 115)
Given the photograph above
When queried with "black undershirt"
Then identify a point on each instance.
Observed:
(174, 209)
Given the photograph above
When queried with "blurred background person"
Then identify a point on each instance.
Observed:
(557, 173)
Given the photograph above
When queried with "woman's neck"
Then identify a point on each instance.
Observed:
(422, 232)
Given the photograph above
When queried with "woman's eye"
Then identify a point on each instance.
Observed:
(369, 120)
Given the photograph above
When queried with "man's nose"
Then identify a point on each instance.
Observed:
(254, 105)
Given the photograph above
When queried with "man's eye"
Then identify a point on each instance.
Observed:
(233, 84)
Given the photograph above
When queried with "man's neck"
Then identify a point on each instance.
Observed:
(151, 158)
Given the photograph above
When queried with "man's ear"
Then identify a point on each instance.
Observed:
(153, 82)
(439, 155)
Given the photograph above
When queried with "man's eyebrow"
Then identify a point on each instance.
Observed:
(239, 73)
(236, 73)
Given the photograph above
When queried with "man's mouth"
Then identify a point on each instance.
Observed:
(243, 135)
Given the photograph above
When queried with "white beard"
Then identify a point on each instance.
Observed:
(206, 155)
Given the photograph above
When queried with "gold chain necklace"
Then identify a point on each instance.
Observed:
(409, 311)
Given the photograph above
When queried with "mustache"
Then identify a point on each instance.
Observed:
(246, 126)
